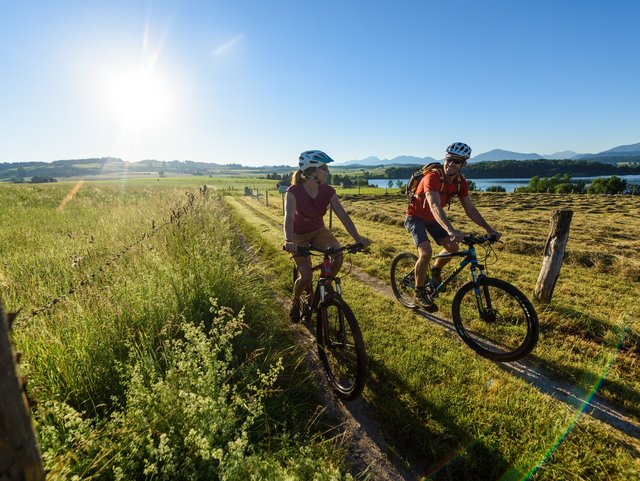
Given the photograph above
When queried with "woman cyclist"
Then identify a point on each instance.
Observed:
(306, 203)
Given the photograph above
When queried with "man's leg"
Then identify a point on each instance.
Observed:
(442, 238)
(417, 228)
(424, 258)
(449, 246)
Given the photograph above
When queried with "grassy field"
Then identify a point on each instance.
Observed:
(462, 417)
(167, 358)
(156, 352)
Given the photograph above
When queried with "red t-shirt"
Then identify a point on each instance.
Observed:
(431, 183)
(310, 211)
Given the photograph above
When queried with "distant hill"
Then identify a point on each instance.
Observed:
(498, 154)
(620, 151)
(621, 157)
(113, 167)
(376, 161)
(565, 154)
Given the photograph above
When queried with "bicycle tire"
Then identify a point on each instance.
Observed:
(505, 329)
(402, 266)
(346, 369)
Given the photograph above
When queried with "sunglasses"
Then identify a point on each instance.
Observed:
(455, 161)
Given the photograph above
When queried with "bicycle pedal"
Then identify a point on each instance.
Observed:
(430, 308)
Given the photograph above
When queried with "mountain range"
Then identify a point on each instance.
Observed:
(623, 152)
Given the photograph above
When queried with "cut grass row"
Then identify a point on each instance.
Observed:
(457, 415)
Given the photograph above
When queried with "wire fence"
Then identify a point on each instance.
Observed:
(176, 216)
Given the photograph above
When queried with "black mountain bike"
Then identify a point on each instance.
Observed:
(340, 345)
(492, 316)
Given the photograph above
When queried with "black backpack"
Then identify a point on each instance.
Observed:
(416, 177)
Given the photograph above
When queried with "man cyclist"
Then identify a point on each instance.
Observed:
(306, 203)
(426, 214)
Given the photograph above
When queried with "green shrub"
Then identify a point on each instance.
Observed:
(186, 415)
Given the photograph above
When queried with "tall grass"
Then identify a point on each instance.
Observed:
(172, 362)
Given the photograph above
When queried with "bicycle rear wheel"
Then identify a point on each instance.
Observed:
(340, 347)
(403, 278)
(495, 319)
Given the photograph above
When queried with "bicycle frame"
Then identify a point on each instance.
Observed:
(325, 279)
(469, 258)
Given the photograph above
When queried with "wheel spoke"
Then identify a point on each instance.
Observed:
(495, 320)
(342, 350)
(402, 278)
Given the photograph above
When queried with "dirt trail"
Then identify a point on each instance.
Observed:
(364, 434)
(366, 444)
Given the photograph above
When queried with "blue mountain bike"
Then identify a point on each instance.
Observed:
(491, 316)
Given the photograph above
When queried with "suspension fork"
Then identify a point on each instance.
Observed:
(322, 307)
(483, 298)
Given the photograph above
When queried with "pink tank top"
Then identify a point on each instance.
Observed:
(310, 211)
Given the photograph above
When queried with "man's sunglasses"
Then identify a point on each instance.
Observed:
(455, 161)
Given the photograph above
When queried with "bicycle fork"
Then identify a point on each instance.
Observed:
(483, 298)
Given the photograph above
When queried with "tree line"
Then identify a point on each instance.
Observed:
(564, 184)
(529, 168)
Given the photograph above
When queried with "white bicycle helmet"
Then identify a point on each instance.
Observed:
(460, 149)
(313, 158)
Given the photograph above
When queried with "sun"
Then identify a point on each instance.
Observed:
(138, 98)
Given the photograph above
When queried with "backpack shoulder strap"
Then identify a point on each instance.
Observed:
(459, 179)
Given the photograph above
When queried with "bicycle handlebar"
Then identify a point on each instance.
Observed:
(472, 239)
(308, 251)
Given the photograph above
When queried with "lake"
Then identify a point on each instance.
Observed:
(508, 184)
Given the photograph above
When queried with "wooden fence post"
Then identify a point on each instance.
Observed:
(553, 254)
(20, 457)
(266, 198)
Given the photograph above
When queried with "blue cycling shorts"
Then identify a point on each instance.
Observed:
(418, 229)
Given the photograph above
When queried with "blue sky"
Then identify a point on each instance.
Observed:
(256, 82)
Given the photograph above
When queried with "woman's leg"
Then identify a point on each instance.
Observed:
(303, 282)
(323, 239)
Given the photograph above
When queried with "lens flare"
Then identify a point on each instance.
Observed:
(74, 190)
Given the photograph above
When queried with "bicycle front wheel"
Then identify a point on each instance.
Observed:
(495, 319)
(403, 278)
(341, 348)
